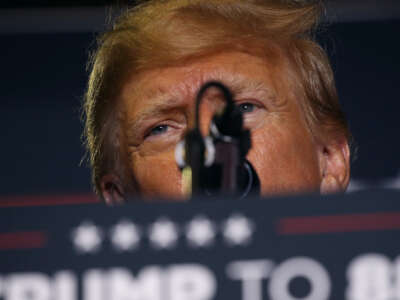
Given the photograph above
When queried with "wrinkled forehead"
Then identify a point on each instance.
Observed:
(237, 70)
(247, 76)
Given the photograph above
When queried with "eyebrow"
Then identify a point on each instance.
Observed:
(161, 105)
(239, 84)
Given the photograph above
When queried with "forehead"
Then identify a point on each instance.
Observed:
(241, 72)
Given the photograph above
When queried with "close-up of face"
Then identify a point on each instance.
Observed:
(200, 150)
(157, 108)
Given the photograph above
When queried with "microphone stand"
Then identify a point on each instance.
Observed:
(195, 150)
(229, 172)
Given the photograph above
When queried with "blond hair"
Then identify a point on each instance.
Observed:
(159, 33)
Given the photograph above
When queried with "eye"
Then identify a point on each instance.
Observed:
(246, 107)
(160, 129)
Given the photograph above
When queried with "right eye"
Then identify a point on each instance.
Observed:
(246, 107)
(158, 130)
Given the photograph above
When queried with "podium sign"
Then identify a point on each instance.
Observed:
(309, 247)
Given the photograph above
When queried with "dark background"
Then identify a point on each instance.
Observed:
(43, 55)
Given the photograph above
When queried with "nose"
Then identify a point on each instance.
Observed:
(212, 103)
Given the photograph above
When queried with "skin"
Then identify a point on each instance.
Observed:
(158, 108)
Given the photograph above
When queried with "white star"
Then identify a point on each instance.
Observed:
(163, 234)
(200, 232)
(237, 230)
(125, 236)
(87, 237)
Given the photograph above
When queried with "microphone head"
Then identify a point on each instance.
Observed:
(229, 122)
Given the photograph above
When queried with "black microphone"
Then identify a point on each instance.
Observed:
(217, 164)
(231, 174)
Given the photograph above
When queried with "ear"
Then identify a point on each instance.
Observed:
(112, 189)
(334, 166)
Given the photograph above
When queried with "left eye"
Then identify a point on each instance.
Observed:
(246, 107)
(160, 129)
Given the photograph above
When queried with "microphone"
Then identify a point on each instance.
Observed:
(231, 174)
(217, 164)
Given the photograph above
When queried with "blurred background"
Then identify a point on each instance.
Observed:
(43, 53)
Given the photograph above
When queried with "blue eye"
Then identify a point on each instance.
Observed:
(160, 129)
(246, 107)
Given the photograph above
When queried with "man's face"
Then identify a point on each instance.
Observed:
(159, 107)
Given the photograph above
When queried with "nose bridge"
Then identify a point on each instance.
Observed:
(211, 103)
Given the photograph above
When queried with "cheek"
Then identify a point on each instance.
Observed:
(285, 159)
(157, 175)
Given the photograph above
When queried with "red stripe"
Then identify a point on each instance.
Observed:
(339, 223)
(22, 240)
(20, 201)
